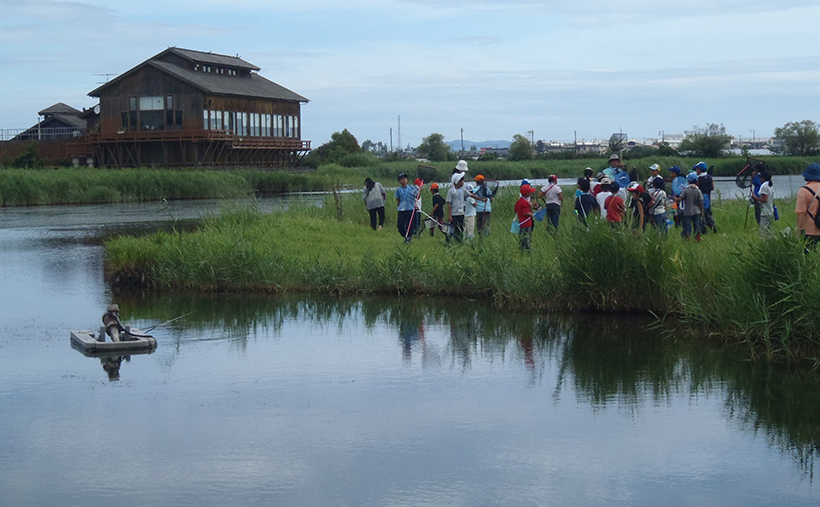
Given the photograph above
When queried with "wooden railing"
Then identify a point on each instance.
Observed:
(84, 145)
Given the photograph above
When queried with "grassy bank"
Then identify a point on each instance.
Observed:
(28, 187)
(764, 294)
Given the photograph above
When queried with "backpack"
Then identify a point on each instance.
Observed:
(816, 215)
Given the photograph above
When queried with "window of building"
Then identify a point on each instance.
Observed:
(151, 113)
(205, 117)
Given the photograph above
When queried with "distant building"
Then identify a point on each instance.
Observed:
(189, 108)
(59, 121)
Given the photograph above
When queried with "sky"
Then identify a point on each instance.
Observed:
(560, 69)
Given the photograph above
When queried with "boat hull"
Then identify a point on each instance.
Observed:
(86, 341)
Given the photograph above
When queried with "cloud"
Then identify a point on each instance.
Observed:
(49, 10)
(607, 12)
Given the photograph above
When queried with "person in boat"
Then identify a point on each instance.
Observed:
(111, 321)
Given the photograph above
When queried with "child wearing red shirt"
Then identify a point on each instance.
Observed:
(523, 208)
(614, 206)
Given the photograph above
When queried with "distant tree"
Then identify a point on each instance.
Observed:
(344, 143)
(520, 149)
(799, 138)
(665, 150)
(378, 149)
(341, 144)
(706, 142)
(433, 147)
(473, 148)
(489, 156)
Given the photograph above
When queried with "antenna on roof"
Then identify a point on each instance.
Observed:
(107, 77)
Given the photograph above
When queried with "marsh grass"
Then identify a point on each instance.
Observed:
(765, 294)
(26, 187)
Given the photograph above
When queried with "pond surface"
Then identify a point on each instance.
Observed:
(258, 400)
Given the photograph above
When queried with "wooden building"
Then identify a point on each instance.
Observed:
(189, 108)
(59, 121)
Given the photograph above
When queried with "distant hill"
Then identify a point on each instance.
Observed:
(456, 145)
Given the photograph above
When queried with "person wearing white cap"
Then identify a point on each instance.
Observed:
(655, 172)
(456, 200)
(461, 166)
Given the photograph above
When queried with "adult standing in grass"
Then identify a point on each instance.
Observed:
(553, 199)
(657, 206)
(484, 207)
(614, 166)
(585, 204)
(614, 206)
(456, 200)
(373, 197)
(691, 200)
(523, 208)
(808, 205)
(706, 185)
(765, 196)
(406, 200)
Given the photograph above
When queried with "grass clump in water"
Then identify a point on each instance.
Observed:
(762, 293)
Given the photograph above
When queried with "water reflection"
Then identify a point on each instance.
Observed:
(111, 361)
(605, 363)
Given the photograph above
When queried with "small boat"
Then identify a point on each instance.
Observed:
(132, 339)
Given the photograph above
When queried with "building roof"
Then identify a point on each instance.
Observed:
(59, 108)
(68, 121)
(252, 85)
(211, 58)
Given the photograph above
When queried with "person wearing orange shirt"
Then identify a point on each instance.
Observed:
(808, 205)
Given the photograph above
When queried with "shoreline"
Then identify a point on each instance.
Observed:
(69, 186)
(761, 294)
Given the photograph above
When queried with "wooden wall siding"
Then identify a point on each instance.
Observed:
(144, 83)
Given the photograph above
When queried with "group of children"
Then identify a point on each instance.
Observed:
(611, 193)
(467, 206)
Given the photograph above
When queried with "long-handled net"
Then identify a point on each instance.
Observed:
(426, 172)
(744, 177)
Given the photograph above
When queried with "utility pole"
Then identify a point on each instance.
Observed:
(462, 139)
(399, 133)
(753, 137)
(391, 139)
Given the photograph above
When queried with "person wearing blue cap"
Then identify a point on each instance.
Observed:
(706, 185)
(808, 206)
(690, 204)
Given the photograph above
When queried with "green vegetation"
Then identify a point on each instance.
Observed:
(799, 138)
(708, 141)
(763, 294)
(26, 187)
(434, 148)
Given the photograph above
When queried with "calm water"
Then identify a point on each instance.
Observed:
(318, 401)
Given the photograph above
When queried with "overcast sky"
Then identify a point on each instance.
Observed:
(494, 68)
